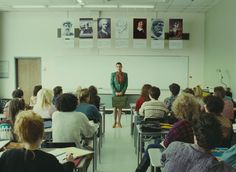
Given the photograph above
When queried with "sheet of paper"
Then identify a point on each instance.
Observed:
(77, 152)
(3, 143)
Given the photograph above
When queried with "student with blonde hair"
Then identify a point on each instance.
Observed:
(29, 129)
(44, 106)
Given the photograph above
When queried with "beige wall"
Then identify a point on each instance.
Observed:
(220, 50)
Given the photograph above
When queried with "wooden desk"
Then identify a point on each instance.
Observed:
(155, 158)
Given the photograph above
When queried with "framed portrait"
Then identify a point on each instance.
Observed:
(175, 29)
(157, 29)
(104, 28)
(67, 29)
(86, 28)
(140, 28)
(122, 29)
(4, 69)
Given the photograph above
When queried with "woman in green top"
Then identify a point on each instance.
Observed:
(119, 84)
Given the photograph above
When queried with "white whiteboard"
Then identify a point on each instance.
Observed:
(69, 72)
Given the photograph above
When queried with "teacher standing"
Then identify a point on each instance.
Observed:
(119, 84)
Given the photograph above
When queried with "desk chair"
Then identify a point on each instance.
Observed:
(155, 159)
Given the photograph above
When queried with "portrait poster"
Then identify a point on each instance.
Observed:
(157, 29)
(175, 29)
(122, 29)
(104, 28)
(67, 30)
(140, 28)
(86, 28)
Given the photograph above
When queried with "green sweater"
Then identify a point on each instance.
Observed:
(116, 87)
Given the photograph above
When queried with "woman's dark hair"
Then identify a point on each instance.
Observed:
(189, 91)
(66, 102)
(84, 94)
(154, 92)
(119, 63)
(208, 131)
(174, 89)
(36, 89)
(214, 104)
(93, 90)
(18, 93)
(57, 90)
(145, 91)
(15, 106)
(219, 92)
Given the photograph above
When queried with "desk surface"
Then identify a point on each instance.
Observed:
(152, 133)
(155, 157)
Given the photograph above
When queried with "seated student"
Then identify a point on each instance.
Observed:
(89, 110)
(94, 98)
(228, 110)
(196, 157)
(57, 91)
(174, 89)
(33, 99)
(229, 157)
(144, 96)
(184, 107)
(29, 129)
(153, 108)
(215, 105)
(67, 124)
(44, 106)
(18, 93)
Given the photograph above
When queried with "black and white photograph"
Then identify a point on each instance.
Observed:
(86, 28)
(157, 29)
(104, 28)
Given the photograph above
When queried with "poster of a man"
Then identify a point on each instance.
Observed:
(157, 29)
(67, 29)
(122, 30)
(86, 29)
(140, 28)
(104, 28)
(176, 29)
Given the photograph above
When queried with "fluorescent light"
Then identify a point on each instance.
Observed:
(101, 6)
(80, 2)
(64, 6)
(136, 6)
(29, 6)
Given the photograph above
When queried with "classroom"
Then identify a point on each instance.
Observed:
(75, 44)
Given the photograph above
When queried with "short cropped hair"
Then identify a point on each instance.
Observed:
(208, 131)
(84, 94)
(36, 89)
(185, 106)
(219, 92)
(29, 127)
(66, 102)
(18, 93)
(174, 89)
(214, 104)
(119, 63)
(154, 92)
(57, 90)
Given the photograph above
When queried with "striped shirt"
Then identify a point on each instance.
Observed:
(153, 109)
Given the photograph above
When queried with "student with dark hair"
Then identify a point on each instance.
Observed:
(228, 110)
(144, 96)
(89, 110)
(197, 157)
(215, 105)
(153, 108)
(94, 98)
(18, 93)
(29, 129)
(174, 89)
(67, 124)
(33, 99)
(57, 91)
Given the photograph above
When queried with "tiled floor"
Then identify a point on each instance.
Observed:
(118, 153)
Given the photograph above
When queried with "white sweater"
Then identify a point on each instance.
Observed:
(69, 126)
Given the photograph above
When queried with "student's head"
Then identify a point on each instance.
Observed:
(84, 95)
(15, 106)
(219, 92)
(29, 128)
(185, 106)
(44, 98)
(154, 92)
(188, 90)
(119, 67)
(93, 90)
(213, 104)
(57, 91)
(66, 102)
(36, 89)
(228, 92)
(198, 91)
(207, 130)
(174, 89)
(145, 91)
(18, 93)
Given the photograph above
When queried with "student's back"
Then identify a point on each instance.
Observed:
(22, 160)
